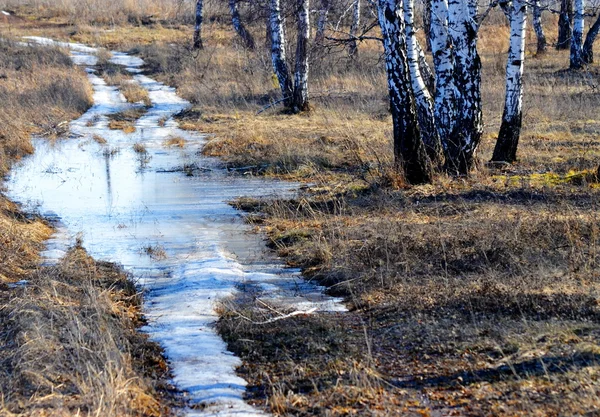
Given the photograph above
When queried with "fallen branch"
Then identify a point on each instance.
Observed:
(282, 317)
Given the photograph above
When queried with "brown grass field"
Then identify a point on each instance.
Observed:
(470, 296)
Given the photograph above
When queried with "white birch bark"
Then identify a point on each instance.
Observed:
(278, 47)
(198, 25)
(510, 129)
(443, 63)
(423, 99)
(539, 29)
(353, 46)
(300, 102)
(409, 149)
(468, 126)
(473, 8)
(426, 72)
(577, 39)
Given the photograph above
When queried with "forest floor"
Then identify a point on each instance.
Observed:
(69, 339)
(469, 296)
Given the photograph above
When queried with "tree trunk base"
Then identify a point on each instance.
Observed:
(508, 141)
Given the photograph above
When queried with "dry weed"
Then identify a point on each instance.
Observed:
(69, 345)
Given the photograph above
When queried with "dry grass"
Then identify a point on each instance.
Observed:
(473, 299)
(70, 346)
(101, 12)
(99, 139)
(21, 239)
(175, 141)
(470, 296)
(40, 90)
(135, 93)
(140, 148)
(126, 119)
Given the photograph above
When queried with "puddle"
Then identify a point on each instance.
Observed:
(185, 246)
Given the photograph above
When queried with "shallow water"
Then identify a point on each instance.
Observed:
(174, 232)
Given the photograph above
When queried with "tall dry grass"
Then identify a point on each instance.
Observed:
(70, 346)
(40, 88)
(105, 12)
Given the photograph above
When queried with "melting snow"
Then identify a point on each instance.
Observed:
(124, 205)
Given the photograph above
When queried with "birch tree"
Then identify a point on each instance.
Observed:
(423, 99)
(322, 21)
(295, 95)
(565, 18)
(443, 63)
(239, 27)
(409, 149)
(278, 47)
(198, 25)
(588, 46)
(427, 23)
(539, 29)
(352, 45)
(510, 129)
(576, 57)
(468, 125)
(300, 96)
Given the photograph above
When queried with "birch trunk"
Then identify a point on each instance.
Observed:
(426, 73)
(278, 58)
(473, 6)
(468, 126)
(300, 99)
(239, 26)
(443, 62)
(353, 46)
(423, 99)
(577, 40)
(565, 19)
(409, 150)
(588, 45)
(539, 29)
(510, 129)
(427, 23)
(322, 21)
(198, 25)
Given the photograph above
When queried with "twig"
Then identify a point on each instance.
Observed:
(285, 316)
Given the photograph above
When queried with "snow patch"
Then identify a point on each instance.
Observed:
(126, 208)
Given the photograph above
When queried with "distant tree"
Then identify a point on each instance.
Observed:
(198, 25)
(300, 96)
(353, 45)
(278, 53)
(295, 95)
(322, 21)
(539, 29)
(239, 27)
(510, 129)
